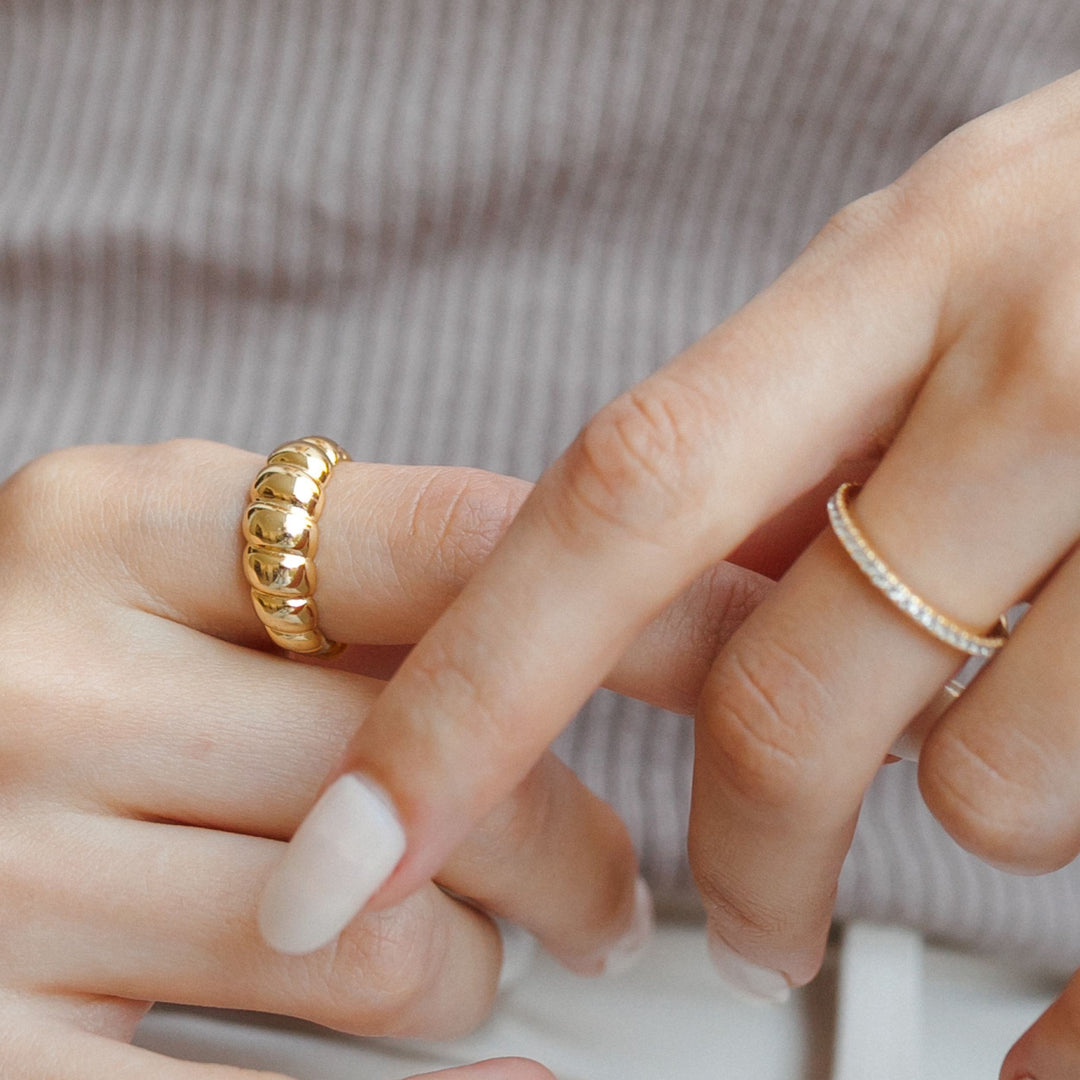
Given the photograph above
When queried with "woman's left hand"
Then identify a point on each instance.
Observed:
(928, 338)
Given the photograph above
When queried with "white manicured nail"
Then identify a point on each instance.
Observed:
(343, 851)
(749, 981)
(518, 953)
(631, 945)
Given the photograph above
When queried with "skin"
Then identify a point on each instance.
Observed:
(158, 752)
(927, 338)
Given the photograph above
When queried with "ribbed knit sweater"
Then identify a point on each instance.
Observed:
(447, 231)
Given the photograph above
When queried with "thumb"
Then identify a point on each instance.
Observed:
(1050, 1048)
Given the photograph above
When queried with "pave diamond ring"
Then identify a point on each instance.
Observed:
(883, 577)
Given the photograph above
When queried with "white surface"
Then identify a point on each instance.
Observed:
(668, 1019)
(879, 1004)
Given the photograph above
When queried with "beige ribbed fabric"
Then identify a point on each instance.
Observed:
(447, 231)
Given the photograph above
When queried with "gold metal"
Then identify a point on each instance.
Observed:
(330, 448)
(282, 537)
(303, 453)
(310, 643)
(883, 577)
(286, 615)
(280, 573)
(288, 485)
(286, 527)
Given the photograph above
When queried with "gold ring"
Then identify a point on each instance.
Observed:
(282, 534)
(883, 577)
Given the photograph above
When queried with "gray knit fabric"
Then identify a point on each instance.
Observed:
(447, 231)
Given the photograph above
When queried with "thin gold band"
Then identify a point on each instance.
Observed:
(282, 534)
(883, 577)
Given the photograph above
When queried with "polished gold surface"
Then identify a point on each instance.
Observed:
(305, 455)
(286, 527)
(330, 448)
(290, 485)
(310, 642)
(280, 528)
(285, 614)
(280, 573)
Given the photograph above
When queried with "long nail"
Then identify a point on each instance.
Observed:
(628, 949)
(347, 846)
(519, 952)
(749, 981)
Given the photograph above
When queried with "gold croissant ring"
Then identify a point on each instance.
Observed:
(883, 577)
(282, 534)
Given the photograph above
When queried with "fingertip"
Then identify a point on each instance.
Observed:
(510, 1068)
(518, 953)
(343, 852)
(748, 981)
(629, 949)
(1050, 1048)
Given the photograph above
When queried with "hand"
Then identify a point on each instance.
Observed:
(156, 753)
(927, 339)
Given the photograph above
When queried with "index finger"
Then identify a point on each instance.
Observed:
(661, 484)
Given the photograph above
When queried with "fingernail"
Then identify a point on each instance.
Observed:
(518, 953)
(631, 945)
(748, 981)
(343, 851)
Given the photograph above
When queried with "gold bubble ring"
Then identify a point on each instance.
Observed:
(282, 535)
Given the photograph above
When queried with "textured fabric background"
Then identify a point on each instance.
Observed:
(447, 231)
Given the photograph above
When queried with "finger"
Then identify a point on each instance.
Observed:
(38, 1045)
(668, 662)
(90, 1058)
(556, 859)
(999, 769)
(809, 694)
(151, 912)
(1050, 1048)
(792, 727)
(396, 544)
(160, 527)
(245, 747)
(45, 1053)
(495, 1069)
(656, 489)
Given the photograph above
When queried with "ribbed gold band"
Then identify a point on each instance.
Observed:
(884, 578)
(282, 534)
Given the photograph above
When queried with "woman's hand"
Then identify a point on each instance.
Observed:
(156, 753)
(928, 338)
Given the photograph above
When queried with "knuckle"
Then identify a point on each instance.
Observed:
(721, 601)
(881, 217)
(901, 229)
(1038, 384)
(401, 953)
(857, 222)
(528, 830)
(743, 919)
(86, 498)
(458, 517)
(639, 464)
(514, 828)
(761, 714)
(988, 804)
(43, 499)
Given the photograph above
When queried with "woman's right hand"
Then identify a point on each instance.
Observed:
(156, 754)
